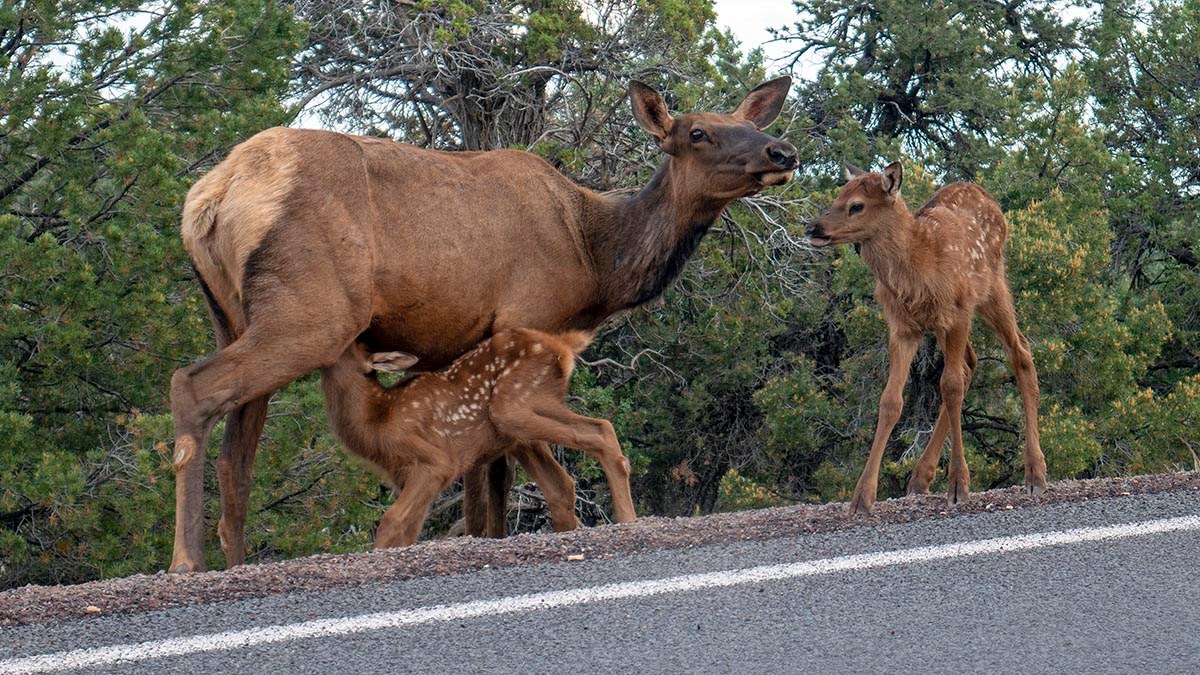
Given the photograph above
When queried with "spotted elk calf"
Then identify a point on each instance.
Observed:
(505, 396)
(934, 270)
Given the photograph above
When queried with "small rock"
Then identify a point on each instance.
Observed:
(92, 609)
(575, 558)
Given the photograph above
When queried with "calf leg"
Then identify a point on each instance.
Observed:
(555, 483)
(548, 420)
(402, 523)
(901, 348)
(1002, 318)
(926, 468)
(954, 344)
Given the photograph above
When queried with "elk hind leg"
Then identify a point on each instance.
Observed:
(549, 421)
(235, 472)
(1001, 316)
(555, 483)
(265, 358)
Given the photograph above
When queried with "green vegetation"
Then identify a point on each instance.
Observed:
(754, 382)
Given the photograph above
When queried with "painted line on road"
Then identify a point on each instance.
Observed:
(323, 628)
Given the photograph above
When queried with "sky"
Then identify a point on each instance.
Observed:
(750, 19)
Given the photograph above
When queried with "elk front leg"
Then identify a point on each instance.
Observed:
(926, 468)
(954, 344)
(901, 348)
(422, 483)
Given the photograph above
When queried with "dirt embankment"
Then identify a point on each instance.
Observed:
(141, 593)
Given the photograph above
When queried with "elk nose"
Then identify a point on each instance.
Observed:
(813, 229)
(782, 154)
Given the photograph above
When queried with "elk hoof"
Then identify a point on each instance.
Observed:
(918, 486)
(957, 493)
(861, 504)
(1035, 489)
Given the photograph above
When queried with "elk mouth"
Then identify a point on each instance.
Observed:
(819, 241)
(772, 178)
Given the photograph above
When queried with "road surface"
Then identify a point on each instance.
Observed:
(1108, 585)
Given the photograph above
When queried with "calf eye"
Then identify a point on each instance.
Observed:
(856, 209)
(698, 135)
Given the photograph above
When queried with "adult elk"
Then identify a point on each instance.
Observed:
(933, 272)
(306, 240)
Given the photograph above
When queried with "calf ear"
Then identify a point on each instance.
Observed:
(893, 176)
(850, 171)
(392, 362)
(650, 111)
(762, 105)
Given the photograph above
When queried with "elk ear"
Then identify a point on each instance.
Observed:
(650, 111)
(762, 105)
(850, 171)
(893, 176)
(392, 362)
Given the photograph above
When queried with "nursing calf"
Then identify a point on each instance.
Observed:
(503, 397)
(934, 270)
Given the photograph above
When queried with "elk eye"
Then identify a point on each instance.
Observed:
(856, 209)
(698, 135)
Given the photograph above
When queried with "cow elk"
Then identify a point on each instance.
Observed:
(305, 241)
(500, 398)
(934, 270)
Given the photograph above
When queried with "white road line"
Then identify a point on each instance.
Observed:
(156, 649)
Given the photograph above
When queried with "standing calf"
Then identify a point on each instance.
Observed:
(505, 396)
(933, 271)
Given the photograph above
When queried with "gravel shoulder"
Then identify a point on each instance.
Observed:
(144, 593)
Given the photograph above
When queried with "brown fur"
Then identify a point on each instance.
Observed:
(501, 397)
(933, 272)
(308, 240)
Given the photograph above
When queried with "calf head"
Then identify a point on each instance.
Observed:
(867, 203)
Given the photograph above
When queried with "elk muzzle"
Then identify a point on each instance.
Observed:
(778, 163)
(815, 232)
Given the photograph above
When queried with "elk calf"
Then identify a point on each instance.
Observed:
(933, 272)
(505, 396)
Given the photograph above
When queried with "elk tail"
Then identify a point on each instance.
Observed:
(577, 340)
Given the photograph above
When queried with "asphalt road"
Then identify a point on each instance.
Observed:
(1115, 600)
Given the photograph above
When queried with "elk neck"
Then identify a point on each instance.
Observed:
(356, 403)
(892, 256)
(639, 244)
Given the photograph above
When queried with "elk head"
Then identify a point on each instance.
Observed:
(868, 203)
(724, 156)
